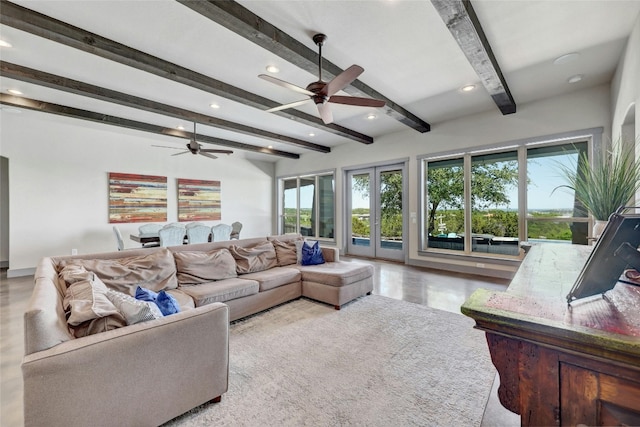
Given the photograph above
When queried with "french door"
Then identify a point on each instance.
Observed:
(375, 212)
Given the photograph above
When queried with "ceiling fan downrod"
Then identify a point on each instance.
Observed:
(319, 40)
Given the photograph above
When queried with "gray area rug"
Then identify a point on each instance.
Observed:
(376, 362)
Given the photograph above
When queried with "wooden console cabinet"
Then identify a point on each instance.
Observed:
(562, 365)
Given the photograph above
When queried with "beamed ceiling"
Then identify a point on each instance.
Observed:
(155, 65)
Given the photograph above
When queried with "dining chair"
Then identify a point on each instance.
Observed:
(194, 224)
(220, 232)
(235, 230)
(198, 234)
(174, 224)
(171, 236)
(119, 240)
(149, 229)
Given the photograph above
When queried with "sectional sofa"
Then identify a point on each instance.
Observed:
(87, 364)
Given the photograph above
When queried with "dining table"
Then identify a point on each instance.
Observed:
(145, 239)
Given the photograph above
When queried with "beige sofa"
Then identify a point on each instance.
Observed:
(148, 373)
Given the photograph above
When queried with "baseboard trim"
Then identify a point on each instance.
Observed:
(489, 270)
(20, 272)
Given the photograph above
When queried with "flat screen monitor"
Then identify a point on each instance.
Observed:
(615, 250)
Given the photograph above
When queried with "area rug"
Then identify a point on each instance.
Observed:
(376, 362)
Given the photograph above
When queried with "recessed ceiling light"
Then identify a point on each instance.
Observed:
(566, 58)
(468, 88)
(575, 79)
(273, 69)
(4, 43)
(371, 116)
(312, 134)
(180, 127)
(269, 147)
(214, 106)
(14, 92)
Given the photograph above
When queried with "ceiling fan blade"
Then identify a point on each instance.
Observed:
(164, 146)
(285, 106)
(184, 152)
(211, 156)
(285, 84)
(211, 150)
(354, 100)
(343, 79)
(325, 113)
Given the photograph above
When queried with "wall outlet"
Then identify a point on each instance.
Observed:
(480, 265)
(74, 252)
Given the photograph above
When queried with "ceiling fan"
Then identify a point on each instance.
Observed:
(322, 92)
(194, 147)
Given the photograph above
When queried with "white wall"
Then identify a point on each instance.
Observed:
(625, 87)
(58, 175)
(625, 94)
(579, 110)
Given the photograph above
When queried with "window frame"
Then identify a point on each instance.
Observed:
(316, 221)
(593, 138)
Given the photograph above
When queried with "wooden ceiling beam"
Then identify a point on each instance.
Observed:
(41, 25)
(245, 23)
(461, 19)
(53, 81)
(62, 110)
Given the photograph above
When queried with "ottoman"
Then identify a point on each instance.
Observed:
(336, 283)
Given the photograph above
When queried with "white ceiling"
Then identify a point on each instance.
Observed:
(407, 52)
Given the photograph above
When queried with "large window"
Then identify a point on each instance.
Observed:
(488, 202)
(307, 205)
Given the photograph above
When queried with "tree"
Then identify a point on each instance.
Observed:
(489, 185)
(390, 200)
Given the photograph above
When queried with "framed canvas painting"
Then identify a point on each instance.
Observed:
(137, 198)
(198, 200)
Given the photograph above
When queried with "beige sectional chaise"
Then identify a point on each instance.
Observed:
(105, 372)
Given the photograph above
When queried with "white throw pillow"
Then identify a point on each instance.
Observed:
(133, 310)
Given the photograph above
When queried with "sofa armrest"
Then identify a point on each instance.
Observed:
(143, 374)
(330, 254)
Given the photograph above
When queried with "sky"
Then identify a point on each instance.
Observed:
(544, 176)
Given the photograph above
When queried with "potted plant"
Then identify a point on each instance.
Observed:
(611, 182)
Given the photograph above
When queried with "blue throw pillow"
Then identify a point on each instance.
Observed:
(144, 294)
(311, 255)
(167, 304)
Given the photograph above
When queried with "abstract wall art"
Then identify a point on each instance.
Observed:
(198, 200)
(137, 198)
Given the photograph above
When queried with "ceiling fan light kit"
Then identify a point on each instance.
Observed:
(321, 92)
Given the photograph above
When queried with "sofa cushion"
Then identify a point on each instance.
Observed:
(99, 325)
(286, 252)
(255, 258)
(202, 267)
(184, 301)
(221, 291)
(74, 273)
(311, 254)
(133, 310)
(87, 300)
(156, 271)
(274, 277)
(339, 273)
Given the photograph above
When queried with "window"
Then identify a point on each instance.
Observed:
(487, 202)
(445, 204)
(552, 209)
(307, 205)
(494, 203)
